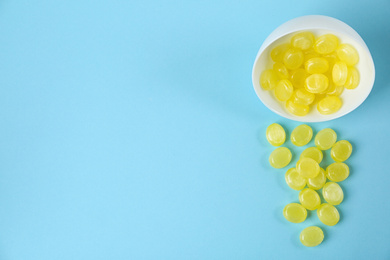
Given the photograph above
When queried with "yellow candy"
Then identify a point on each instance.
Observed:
(316, 65)
(348, 54)
(309, 198)
(329, 105)
(332, 193)
(317, 182)
(310, 53)
(293, 58)
(307, 167)
(341, 151)
(353, 78)
(296, 108)
(301, 96)
(326, 44)
(331, 58)
(268, 79)
(275, 134)
(280, 157)
(284, 89)
(316, 83)
(277, 53)
(298, 78)
(281, 70)
(339, 73)
(313, 153)
(301, 135)
(334, 90)
(325, 139)
(302, 40)
(311, 236)
(294, 180)
(295, 213)
(328, 214)
(337, 171)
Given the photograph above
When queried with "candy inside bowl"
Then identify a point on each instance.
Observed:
(317, 25)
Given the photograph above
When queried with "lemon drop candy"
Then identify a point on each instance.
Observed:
(339, 73)
(277, 53)
(334, 90)
(313, 153)
(283, 90)
(298, 78)
(337, 171)
(325, 139)
(316, 83)
(281, 70)
(301, 135)
(296, 108)
(316, 65)
(311, 236)
(294, 180)
(317, 182)
(302, 40)
(309, 198)
(328, 214)
(310, 53)
(295, 213)
(329, 105)
(280, 157)
(341, 151)
(293, 58)
(326, 43)
(275, 134)
(268, 79)
(348, 54)
(303, 97)
(332, 193)
(353, 78)
(307, 167)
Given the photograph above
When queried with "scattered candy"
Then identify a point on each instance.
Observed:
(341, 151)
(337, 171)
(313, 153)
(280, 157)
(295, 213)
(307, 167)
(317, 182)
(275, 134)
(328, 214)
(311, 236)
(294, 180)
(309, 198)
(325, 139)
(301, 135)
(332, 193)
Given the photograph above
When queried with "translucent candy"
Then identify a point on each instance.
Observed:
(328, 214)
(307, 167)
(334, 90)
(331, 58)
(339, 73)
(311, 236)
(293, 58)
(294, 180)
(313, 153)
(308, 54)
(268, 79)
(353, 78)
(301, 135)
(348, 54)
(302, 40)
(275, 134)
(298, 78)
(329, 105)
(316, 65)
(277, 53)
(317, 182)
(309, 198)
(302, 96)
(325, 139)
(281, 70)
(295, 213)
(332, 193)
(337, 171)
(296, 108)
(341, 151)
(316, 83)
(326, 44)
(283, 90)
(280, 157)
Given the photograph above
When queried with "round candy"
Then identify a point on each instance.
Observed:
(337, 171)
(332, 193)
(339, 73)
(316, 83)
(302, 40)
(280, 157)
(296, 108)
(326, 44)
(281, 70)
(283, 90)
(341, 151)
(268, 79)
(294, 180)
(309, 198)
(353, 78)
(310, 53)
(334, 90)
(302, 96)
(317, 182)
(316, 65)
(329, 105)
(348, 54)
(325, 139)
(275, 134)
(313, 153)
(311, 236)
(293, 58)
(295, 213)
(328, 214)
(298, 78)
(307, 167)
(301, 135)
(277, 53)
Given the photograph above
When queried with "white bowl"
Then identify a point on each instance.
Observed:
(318, 24)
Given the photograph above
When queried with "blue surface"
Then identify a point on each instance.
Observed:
(130, 130)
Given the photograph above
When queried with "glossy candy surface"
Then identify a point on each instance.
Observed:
(313, 153)
(353, 78)
(293, 58)
(302, 40)
(326, 44)
(348, 54)
(295, 213)
(311, 236)
(301, 135)
(307, 167)
(333, 193)
(328, 214)
(337, 171)
(317, 182)
(278, 52)
(283, 90)
(309, 198)
(316, 65)
(341, 151)
(294, 180)
(325, 139)
(316, 83)
(281, 70)
(339, 73)
(268, 79)
(329, 105)
(275, 134)
(296, 108)
(298, 78)
(302, 96)
(280, 157)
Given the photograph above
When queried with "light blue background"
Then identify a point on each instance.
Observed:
(130, 130)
